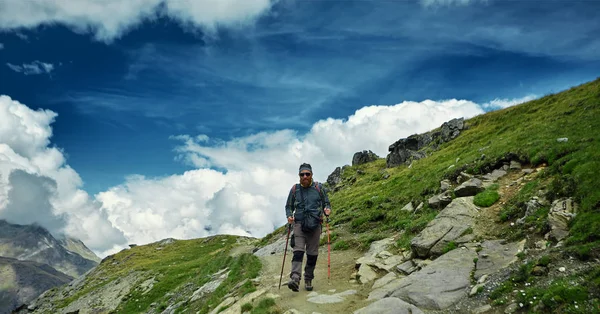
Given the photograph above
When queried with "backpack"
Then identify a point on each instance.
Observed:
(309, 221)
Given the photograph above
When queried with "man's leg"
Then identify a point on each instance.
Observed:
(296, 273)
(312, 252)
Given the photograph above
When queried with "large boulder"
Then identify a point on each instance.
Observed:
(469, 188)
(363, 157)
(441, 284)
(335, 177)
(561, 213)
(452, 128)
(449, 225)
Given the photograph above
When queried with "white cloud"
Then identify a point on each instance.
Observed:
(246, 196)
(505, 103)
(1, 46)
(109, 19)
(36, 185)
(34, 68)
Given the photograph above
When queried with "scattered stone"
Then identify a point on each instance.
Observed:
(475, 289)
(366, 274)
(562, 269)
(482, 279)
(469, 188)
(514, 165)
(562, 139)
(236, 308)
(389, 306)
(441, 200)
(445, 185)
(408, 207)
(527, 171)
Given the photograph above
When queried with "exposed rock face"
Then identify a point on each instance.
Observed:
(22, 281)
(363, 157)
(407, 149)
(449, 225)
(438, 286)
(335, 177)
(35, 243)
(76, 246)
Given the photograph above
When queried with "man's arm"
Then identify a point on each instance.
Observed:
(289, 205)
(327, 204)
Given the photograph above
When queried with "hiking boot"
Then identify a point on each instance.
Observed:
(308, 285)
(293, 285)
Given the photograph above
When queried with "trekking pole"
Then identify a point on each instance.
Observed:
(284, 254)
(328, 252)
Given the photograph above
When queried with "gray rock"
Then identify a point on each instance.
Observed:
(441, 200)
(561, 213)
(389, 306)
(366, 274)
(335, 177)
(363, 157)
(495, 256)
(495, 175)
(562, 139)
(449, 225)
(482, 309)
(469, 188)
(439, 285)
(445, 185)
(452, 128)
(408, 207)
(515, 165)
(384, 280)
(407, 267)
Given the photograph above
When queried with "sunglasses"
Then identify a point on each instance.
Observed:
(305, 174)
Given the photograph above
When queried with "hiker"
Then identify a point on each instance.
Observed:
(304, 209)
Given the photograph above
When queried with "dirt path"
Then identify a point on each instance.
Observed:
(342, 266)
(488, 225)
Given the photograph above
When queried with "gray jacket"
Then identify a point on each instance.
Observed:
(306, 199)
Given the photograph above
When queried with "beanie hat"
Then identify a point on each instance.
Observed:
(305, 166)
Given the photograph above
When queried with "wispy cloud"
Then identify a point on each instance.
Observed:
(34, 68)
(501, 103)
(1, 46)
(109, 19)
(429, 3)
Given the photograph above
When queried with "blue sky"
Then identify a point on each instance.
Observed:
(132, 86)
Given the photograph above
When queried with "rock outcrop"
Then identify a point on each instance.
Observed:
(407, 149)
(363, 157)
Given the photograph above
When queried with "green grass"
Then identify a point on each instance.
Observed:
(529, 132)
(488, 197)
(173, 267)
(265, 306)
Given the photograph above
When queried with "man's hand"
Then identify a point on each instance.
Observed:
(327, 211)
(291, 220)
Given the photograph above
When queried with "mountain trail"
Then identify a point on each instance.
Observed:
(334, 295)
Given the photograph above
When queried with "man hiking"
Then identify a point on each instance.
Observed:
(304, 209)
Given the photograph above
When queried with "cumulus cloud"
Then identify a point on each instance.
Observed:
(34, 68)
(36, 184)
(248, 196)
(109, 19)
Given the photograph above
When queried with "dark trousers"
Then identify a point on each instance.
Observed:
(305, 242)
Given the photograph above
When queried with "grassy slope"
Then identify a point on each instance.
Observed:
(529, 131)
(176, 267)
